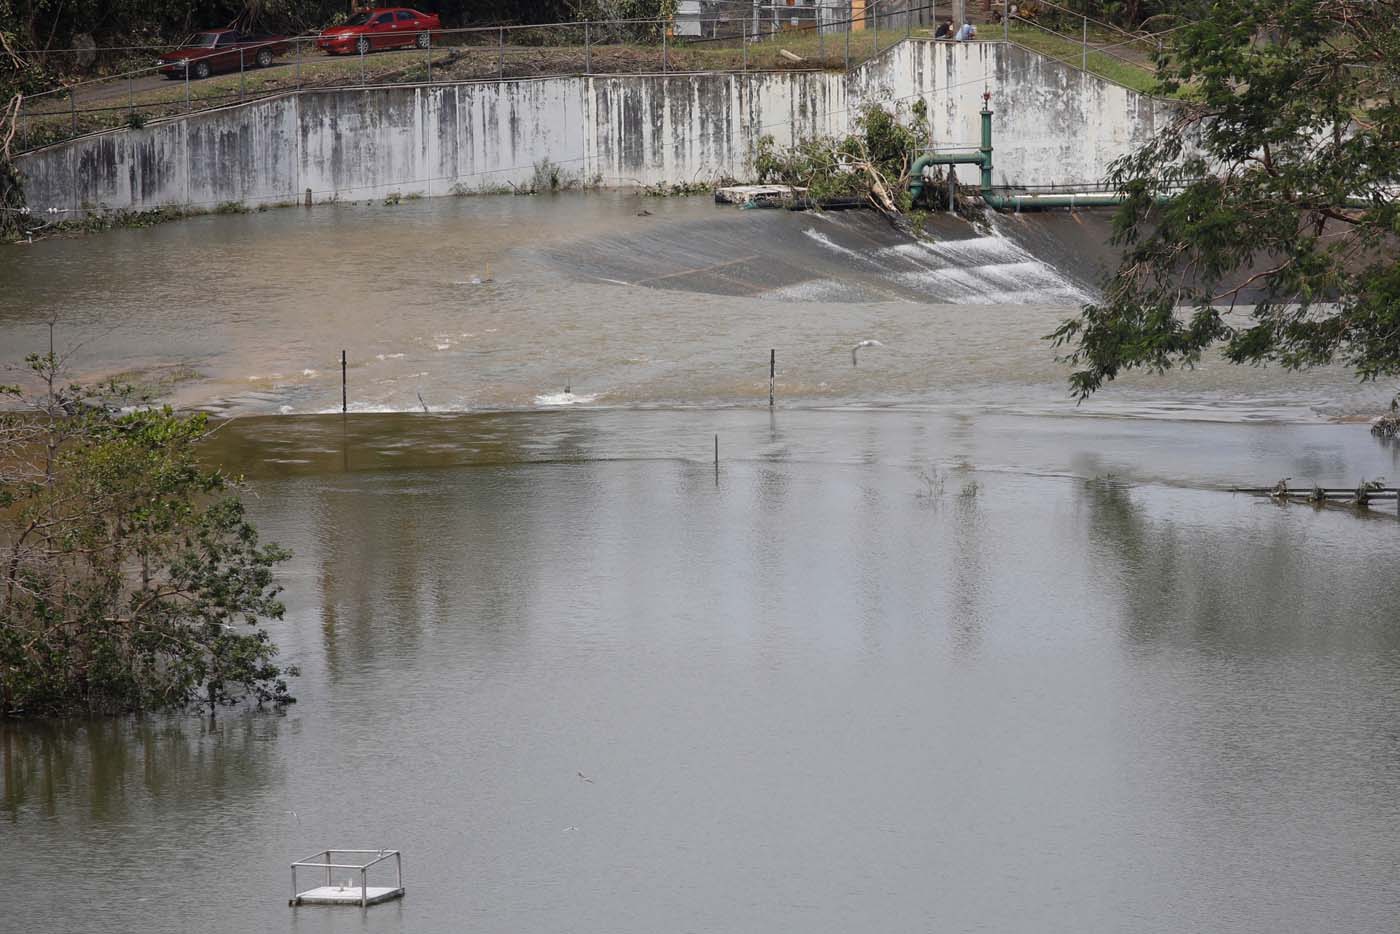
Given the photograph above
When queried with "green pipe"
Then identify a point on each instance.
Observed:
(1003, 201)
(1006, 201)
(999, 200)
(982, 157)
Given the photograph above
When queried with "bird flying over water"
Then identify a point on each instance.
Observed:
(585, 778)
(864, 343)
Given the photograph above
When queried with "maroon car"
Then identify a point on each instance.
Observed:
(220, 50)
(368, 30)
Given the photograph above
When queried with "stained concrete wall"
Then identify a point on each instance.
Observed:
(1054, 125)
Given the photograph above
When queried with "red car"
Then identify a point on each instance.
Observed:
(368, 30)
(220, 50)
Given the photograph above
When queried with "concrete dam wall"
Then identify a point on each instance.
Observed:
(1054, 125)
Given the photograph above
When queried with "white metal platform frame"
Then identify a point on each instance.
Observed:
(348, 893)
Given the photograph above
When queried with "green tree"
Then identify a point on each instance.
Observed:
(1264, 220)
(131, 578)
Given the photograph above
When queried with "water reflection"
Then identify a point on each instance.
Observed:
(1255, 584)
(1034, 678)
(98, 767)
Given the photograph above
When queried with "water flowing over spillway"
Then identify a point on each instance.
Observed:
(501, 303)
(838, 256)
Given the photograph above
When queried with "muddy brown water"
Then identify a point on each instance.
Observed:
(934, 650)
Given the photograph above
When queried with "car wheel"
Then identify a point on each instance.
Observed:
(264, 58)
(201, 69)
(362, 45)
(424, 40)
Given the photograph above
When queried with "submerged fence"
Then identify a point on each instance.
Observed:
(733, 36)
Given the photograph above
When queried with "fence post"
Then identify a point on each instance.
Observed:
(242, 82)
(1005, 23)
(131, 92)
(850, 15)
(501, 55)
(189, 105)
(821, 34)
(1084, 63)
(908, 20)
(362, 44)
(874, 9)
(298, 56)
(744, 41)
(587, 47)
(428, 50)
(665, 58)
(73, 105)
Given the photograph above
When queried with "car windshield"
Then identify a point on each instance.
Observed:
(204, 40)
(359, 19)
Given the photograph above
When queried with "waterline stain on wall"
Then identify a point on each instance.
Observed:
(1055, 125)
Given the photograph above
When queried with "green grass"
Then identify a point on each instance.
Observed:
(1139, 77)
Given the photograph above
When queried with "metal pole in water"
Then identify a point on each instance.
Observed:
(772, 372)
(344, 406)
(716, 460)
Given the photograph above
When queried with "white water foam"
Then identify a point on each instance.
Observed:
(983, 270)
(565, 398)
(835, 247)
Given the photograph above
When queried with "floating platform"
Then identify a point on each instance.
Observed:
(341, 895)
(356, 889)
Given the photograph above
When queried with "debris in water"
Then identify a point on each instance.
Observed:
(766, 196)
(1365, 493)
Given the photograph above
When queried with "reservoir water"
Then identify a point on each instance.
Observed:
(933, 648)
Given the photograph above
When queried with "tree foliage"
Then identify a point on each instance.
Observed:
(873, 162)
(1265, 219)
(131, 578)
